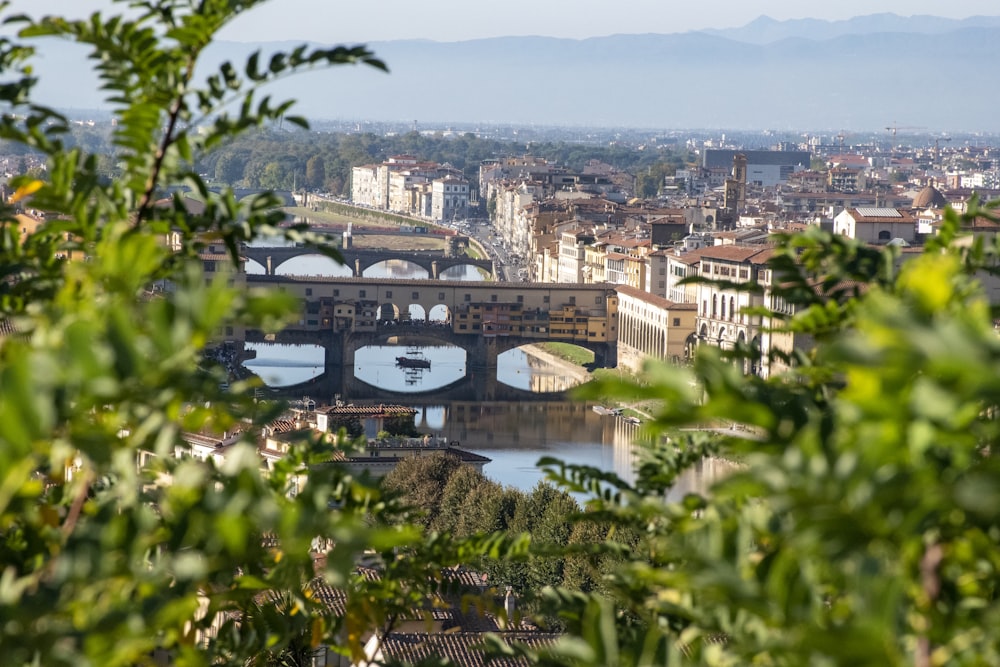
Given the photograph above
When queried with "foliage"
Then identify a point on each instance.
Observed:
(117, 544)
(862, 525)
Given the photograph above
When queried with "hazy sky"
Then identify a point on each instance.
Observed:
(452, 20)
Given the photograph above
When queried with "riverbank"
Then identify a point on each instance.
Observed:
(642, 409)
(572, 370)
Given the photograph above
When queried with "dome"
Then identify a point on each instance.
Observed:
(929, 197)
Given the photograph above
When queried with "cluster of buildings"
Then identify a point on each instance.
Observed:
(404, 184)
(713, 221)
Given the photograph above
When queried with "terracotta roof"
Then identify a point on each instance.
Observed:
(462, 649)
(380, 410)
(737, 253)
(880, 215)
(653, 299)
(7, 328)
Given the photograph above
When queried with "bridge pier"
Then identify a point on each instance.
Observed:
(434, 270)
(269, 268)
(483, 355)
(357, 268)
(606, 356)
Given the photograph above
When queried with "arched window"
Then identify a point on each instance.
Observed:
(715, 304)
(723, 313)
(884, 236)
(732, 308)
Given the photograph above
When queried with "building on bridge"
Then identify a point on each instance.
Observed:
(581, 314)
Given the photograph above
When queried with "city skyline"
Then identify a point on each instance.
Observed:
(450, 20)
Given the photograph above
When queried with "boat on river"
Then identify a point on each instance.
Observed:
(413, 362)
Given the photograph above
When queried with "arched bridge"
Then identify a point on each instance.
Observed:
(485, 318)
(432, 261)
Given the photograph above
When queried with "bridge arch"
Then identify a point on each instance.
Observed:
(311, 264)
(457, 271)
(394, 263)
(389, 312)
(417, 313)
(439, 313)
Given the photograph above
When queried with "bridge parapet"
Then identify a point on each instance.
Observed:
(432, 261)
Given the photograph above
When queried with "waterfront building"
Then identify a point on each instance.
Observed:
(723, 319)
(651, 327)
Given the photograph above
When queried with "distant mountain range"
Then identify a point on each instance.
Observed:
(862, 74)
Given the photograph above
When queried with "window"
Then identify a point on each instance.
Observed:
(440, 296)
(336, 292)
(388, 294)
(677, 321)
(545, 299)
(884, 236)
(493, 297)
(229, 331)
(468, 297)
(597, 300)
(361, 293)
(520, 298)
(572, 301)
(416, 295)
(309, 291)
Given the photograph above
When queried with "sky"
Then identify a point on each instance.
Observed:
(356, 21)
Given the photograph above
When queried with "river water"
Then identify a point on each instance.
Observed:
(514, 435)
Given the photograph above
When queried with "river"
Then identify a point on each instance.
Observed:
(514, 435)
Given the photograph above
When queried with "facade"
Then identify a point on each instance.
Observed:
(763, 168)
(449, 198)
(653, 328)
(404, 184)
(573, 255)
(876, 226)
(722, 318)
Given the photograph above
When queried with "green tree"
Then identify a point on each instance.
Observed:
(420, 481)
(315, 172)
(105, 561)
(862, 526)
(455, 499)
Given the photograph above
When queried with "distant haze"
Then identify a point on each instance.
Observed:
(328, 21)
(862, 74)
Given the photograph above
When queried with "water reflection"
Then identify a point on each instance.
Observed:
(377, 365)
(520, 369)
(285, 365)
(399, 269)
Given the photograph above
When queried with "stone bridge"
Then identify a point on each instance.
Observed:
(432, 261)
(484, 318)
(338, 379)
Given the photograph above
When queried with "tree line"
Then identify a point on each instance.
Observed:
(448, 497)
(283, 159)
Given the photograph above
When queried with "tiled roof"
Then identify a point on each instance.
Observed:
(737, 253)
(462, 649)
(653, 299)
(880, 215)
(380, 410)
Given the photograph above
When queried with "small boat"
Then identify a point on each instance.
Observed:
(601, 410)
(413, 362)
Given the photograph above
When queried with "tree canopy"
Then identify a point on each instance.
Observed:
(861, 529)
